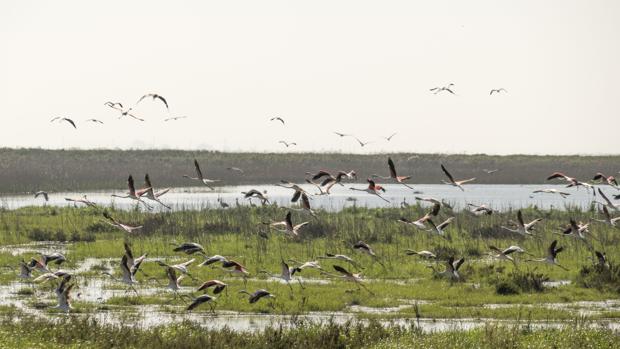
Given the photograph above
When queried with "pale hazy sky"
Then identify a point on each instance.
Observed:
(352, 66)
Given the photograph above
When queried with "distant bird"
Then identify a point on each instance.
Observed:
(453, 182)
(292, 230)
(393, 175)
(342, 134)
(122, 110)
(362, 144)
(498, 91)
(235, 169)
(96, 121)
(200, 177)
(552, 191)
(68, 121)
(205, 298)
(505, 254)
(489, 171)
(611, 180)
(452, 269)
(329, 180)
(84, 200)
(423, 254)
(257, 295)
(523, 228)
(190, 248)
(277, 118)
(373, 189)
(150, 193)
(551, 257)
(217, 285)
(154, 97)
(42, 193)
(174, 118)
(390, 137)
(448, 88)
(125, 227)
(287, 144)
(133, 193)
(63, 294)
(256, 194)
(608, 219)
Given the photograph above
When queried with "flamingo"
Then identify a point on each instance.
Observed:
(235, 268)
(608, 219)
(498, 90)
(257, 194)
(523, 228)
(129, 268)
(181, 267)
(173, 281)
(122, 110)
(133, 194)
(390, 137)
(572, 182)
(296, 188)
(175, 118)
(217, 285)
(341, 257)
(213, 259)
(289, 227)
(452, 269)
(277, 118)
(342, 134)
(42, 193)
(444, 88)
(63, 293)
(439, 229)
(453, 182)
(286, 274)
(154, 97)
(373, 189)
(611, 180)
(423, 254)
(420, 223)
(200, 177)
(489, 171)
(84, 200)
(95, 121)
(125, 227)
(150, 194)
(67, 120)
(25, 270)
(505, 254)
(480, 210)
(362, 144)
(257, 295)
(51, 276)
(348, 276)
(205, 298)
(190, 248)
(551, 257)
(552, 191)
(434, 201)
(235, 169)
(577, 230)
(393, 175)
(607, 202)
(287, 144)
(306, 265)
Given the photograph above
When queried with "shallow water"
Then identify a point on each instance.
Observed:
(500, 197)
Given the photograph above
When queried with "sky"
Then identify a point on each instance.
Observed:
(358, 67)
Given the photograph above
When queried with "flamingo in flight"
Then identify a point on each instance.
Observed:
(205, 298)
(373, 189)
(154, 97)
(608, 219)
(125, 227)
(607, 202)
(277, 118)
(421, 222)
(84, 200)
(42, 193)
(63, 294)
(287, 144)
(133, 193)
(438, 89)
(200, 177)
(122, 110)
(348, 276)
(611, 180)
(453, 182)
(258, 295)
(286, 274)
(505, 253)
(217, 285)
(523, 228)
(423, 254)
(452, 268)
(498, 90)
(257, 194)
(292, 230)
(572, 182)
(551, 257)
(393, 175)
(129, 268)
(150, 194)
(552, 191)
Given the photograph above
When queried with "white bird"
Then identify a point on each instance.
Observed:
(480, 210)
(393, 175)
(217, 285)
(286, 274)
(342, 134)
(452, 268)
(287, 144)
(292, 230)
(439, 229)
(277, 118)
(390, 137)
(421, 222)
(200, 177)
(190, 248)
(423, 254)
(608, 219)
(181, 267)
(340, 257)
(150, 193)
(348, 276)
(572, 182)
(362, 144)
(129, 268)
(95, 121)
(125, 227)
(174, 118)
(84, 200)
(257, 194)
(122, 110)
(453, 182)
(63, 293)
(205, 298)
(257, 295)
(448, 88)
(505, 254)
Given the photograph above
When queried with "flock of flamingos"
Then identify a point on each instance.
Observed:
(324, 181)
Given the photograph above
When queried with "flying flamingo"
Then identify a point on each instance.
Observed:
(505, 254)
(421, 222)
(63, 293)
(129, 268)
(133, 194)
(200, 177)
(122, 110)
(125, 227)
(453, 182)
(348, 276)
(551, 257)
(290, 229)
(522, 227)
(393, 175)
(373, 189)
(257, 295)
(151, 194)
